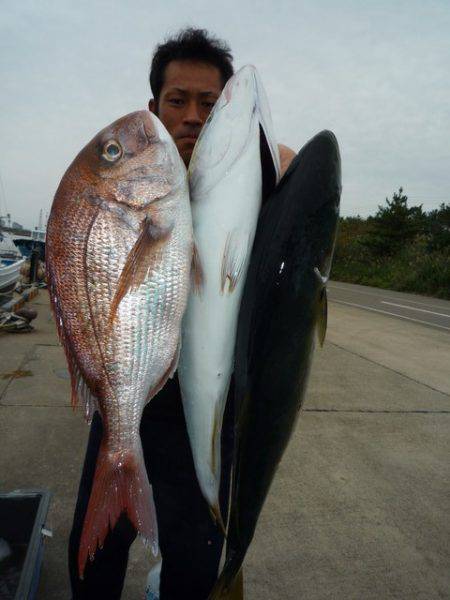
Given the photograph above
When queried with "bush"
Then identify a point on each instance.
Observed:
(401, 248)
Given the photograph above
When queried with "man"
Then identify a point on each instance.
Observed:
(187, 76)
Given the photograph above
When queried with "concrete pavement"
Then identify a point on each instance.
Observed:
(359, 508)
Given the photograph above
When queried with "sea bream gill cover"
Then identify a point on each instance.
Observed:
(225, 178)
(119, 251)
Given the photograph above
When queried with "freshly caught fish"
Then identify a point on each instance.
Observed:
(283, 305)
(226, 187)
(119, 250)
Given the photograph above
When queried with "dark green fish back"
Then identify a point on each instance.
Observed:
(283, 306)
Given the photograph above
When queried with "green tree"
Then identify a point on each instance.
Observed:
(394, 226)
(439, 228)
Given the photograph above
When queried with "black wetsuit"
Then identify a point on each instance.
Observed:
(189, 541)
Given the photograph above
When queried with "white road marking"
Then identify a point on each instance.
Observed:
(419, 303)
(385, 312)
(379, 292)
(418, 309)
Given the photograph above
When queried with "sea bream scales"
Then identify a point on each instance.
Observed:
(119, 251)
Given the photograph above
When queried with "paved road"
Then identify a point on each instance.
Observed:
(410, 307)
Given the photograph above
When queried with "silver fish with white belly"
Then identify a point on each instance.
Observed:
(225, 177)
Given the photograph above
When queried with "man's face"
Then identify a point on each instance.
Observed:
(189, 92)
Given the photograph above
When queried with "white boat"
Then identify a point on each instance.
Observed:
(9, 276)
(11, 261)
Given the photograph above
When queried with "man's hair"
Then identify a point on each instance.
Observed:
(190, 44)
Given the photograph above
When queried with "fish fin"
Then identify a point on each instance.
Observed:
(120, 485)
(80, 391)
(235, 256)
(176, 358)
(141, 258)
(214, 507)
(322, 316)
(63, 338)
(170, 372)
(216, 516)
(229, 590)
(197, 271)
(237, 589)
(79, 388)
(266, 124)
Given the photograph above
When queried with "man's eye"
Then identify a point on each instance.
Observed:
(208, 104)
(176, 101)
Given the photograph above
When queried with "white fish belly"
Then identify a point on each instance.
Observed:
(228, 215)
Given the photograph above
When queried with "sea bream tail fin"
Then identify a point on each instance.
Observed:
(322, 309)
(120, 485)
(143, 256)
(235, 258)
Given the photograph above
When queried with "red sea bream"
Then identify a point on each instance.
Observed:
(119, 250)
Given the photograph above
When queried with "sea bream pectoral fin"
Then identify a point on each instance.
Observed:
(141, 258)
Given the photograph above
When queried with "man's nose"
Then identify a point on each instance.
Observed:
(192, 114)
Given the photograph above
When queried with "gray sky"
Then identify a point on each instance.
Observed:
(376, 72)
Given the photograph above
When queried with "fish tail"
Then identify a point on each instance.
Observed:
(228, 589)
(120, 485)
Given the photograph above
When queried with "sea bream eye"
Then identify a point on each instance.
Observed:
(112, 151)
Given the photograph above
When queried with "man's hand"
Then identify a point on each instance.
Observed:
(286, 156)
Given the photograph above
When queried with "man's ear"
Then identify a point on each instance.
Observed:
(152, 106)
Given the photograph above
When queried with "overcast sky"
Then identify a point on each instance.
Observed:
(375, 72)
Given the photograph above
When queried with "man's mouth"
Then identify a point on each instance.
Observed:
(189, 136)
